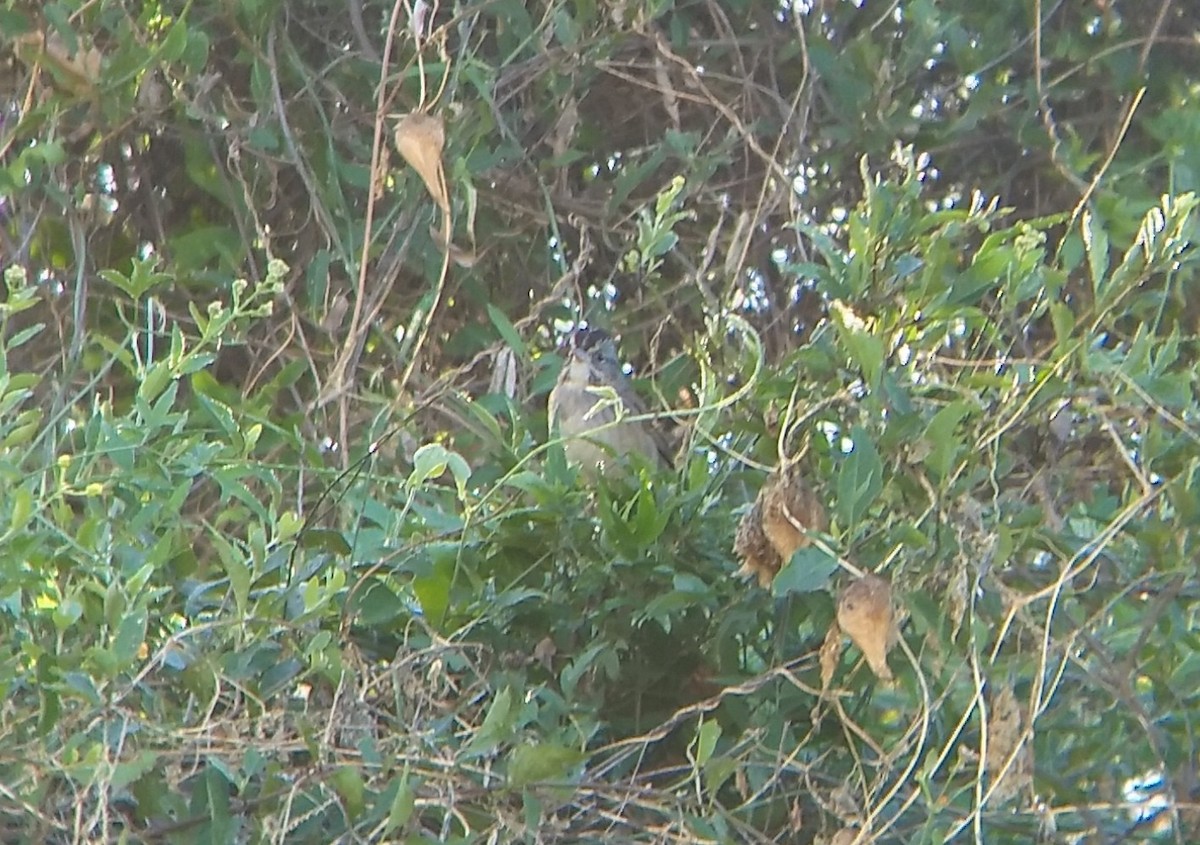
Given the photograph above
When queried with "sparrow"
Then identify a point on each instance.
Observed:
(590, 405)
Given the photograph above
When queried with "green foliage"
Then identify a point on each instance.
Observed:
(285, 553)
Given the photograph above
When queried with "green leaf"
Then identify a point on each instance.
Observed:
(705, 741)
(432, 590)
(944, 443)
(860, 479)
(864, 348)
(429, 462)
(347, 781)
(22, 510)
(507, 331)
(130, 635)
(648, 522)
(402, 804)
(325, 539)
(809, 570)
(153, 382)
(56, 15)
(141, 280)
(20, 338)
(129, 771)
(600, 655)
(378, 605)
(541, 762)
(236, 568)
(175, 43)
(13, 24)
(1095, 241)
(23, 428)
(210, 801)
(195, 56)
(498, 724)
(1063, 320)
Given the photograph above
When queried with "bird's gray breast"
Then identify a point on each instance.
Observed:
(579, 410)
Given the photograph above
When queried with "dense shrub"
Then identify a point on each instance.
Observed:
(288, 554)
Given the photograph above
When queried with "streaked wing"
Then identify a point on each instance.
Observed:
(634, 406)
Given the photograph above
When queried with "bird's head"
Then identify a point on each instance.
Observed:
(593, 356)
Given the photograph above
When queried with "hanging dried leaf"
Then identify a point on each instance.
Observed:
(751, 545)
(958, 595)
(849, 836)
(544, 653)
(865, 613)
(420, 138)
(461, 257)
(1004, 740)
(830, 654)
(771, 532)
(76, 72)
(843, 802)
(790, 509)
(504, 373)
(418, 24)
(335, 316)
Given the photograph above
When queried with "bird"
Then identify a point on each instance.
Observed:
(591, 404)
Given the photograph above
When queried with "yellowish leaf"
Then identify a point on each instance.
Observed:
(866, 614)
(420, 138)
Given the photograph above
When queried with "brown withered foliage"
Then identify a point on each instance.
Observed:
(785, 510)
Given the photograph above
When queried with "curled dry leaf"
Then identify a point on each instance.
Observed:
(420, 138)
(796, 815)
(771, 532)
(335, 315)
(830, 654)
(77, 72)
(958, 595)
(790, 509)
(753, 548)
(848, 836)
(1005, 739)
(865, 613)
(418, 24)
(461, 257)
(504, 373)
(544, 653)
(844, 803)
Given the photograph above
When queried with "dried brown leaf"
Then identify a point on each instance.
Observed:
(504, 378)
(957, 597)
(849, 836)
(335, 316)
(77, 72)
(461, 257)
(831, 653)
(751, 545)
(1004, 740)
(544, 653)
(420, 138)
(866, 614)
(770, 533)
(790, 509)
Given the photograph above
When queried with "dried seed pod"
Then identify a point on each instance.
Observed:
(758, 557)
(771, 532)
(789, 509)
(420, 138)
(865, 613)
